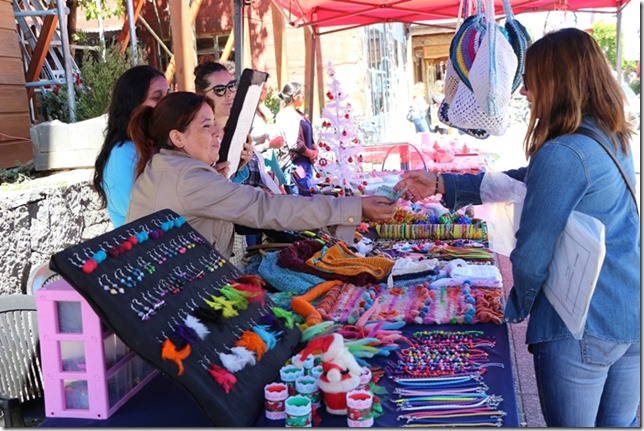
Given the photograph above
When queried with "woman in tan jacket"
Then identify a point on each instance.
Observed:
(178, 143)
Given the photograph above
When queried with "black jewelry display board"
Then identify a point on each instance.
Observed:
(149, 293)
(242, 113)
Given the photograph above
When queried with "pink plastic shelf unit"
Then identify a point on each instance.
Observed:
(88, 371)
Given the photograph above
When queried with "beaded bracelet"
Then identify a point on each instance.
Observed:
(438, 175)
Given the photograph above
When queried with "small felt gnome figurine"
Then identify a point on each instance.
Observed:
(341, 372)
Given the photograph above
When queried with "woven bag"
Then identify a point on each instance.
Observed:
(465, 45)
(493, 70)
(519, 39)
(451, 87)
(494, 67)
(466, 113)
(484, 104)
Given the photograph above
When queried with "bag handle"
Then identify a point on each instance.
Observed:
(595, 136)
(507, 9)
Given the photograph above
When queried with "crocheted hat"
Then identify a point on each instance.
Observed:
(283, 279)
(295, 256)
(339, 259)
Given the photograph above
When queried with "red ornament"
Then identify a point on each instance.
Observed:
(318, 175)
(344, 133)
(365, 183)
(360, 158)
(360, 188)
(350, 159)
(346, 116)
(355, 140)
(329, 95)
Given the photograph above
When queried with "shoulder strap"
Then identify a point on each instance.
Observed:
(595, 136)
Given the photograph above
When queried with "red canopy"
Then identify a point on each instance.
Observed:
(355, 13)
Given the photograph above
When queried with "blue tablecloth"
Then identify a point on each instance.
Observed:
(162, 403)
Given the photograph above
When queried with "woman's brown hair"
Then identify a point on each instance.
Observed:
(568, 76)
(150, 128)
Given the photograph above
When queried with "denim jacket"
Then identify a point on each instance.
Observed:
(570, 172)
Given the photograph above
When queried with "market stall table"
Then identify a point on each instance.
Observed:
(162, 403)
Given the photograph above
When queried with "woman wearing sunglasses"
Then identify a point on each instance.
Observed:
(179, 141)
(216, 82)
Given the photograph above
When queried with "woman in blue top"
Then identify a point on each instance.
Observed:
(114, 166)
(594, 381)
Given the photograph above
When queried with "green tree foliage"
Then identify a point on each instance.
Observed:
(93, 9)
(606, 37)
(272, 102)
(92, 88)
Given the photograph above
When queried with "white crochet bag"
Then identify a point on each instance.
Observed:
(494, 67)
(486, 106)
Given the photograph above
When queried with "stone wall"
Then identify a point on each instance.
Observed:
(41, 217)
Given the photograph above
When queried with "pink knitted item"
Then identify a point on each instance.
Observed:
(416, 304)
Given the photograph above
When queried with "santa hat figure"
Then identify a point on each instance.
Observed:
(341, 372)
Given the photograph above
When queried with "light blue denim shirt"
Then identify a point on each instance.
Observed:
(570, 172)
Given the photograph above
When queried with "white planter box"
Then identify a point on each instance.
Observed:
(59, 145)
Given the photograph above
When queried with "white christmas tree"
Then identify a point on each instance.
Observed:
(339, 161)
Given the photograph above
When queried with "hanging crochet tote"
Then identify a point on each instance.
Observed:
(519, 39)
(451, 86)
(486, 104)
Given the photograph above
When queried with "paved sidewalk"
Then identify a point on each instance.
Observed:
(524, 378)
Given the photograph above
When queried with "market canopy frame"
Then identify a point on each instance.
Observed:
(339, 15)
(357, 13)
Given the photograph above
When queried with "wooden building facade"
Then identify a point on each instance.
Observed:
(15, 143)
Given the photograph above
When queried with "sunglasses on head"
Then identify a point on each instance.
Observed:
(221, 89)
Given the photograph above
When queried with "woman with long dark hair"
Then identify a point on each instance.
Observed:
(114, 166)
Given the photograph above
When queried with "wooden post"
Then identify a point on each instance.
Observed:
(124, 36)
(40, 52)
(170, 70)
(230, 42)
(183, 44)
(247, 61)
(320, 74)
(279, 40)
(309, 71)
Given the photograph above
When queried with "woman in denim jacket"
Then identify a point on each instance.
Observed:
(594, 381)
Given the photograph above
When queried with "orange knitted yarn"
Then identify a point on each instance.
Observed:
(339, 259)
(301, 304)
